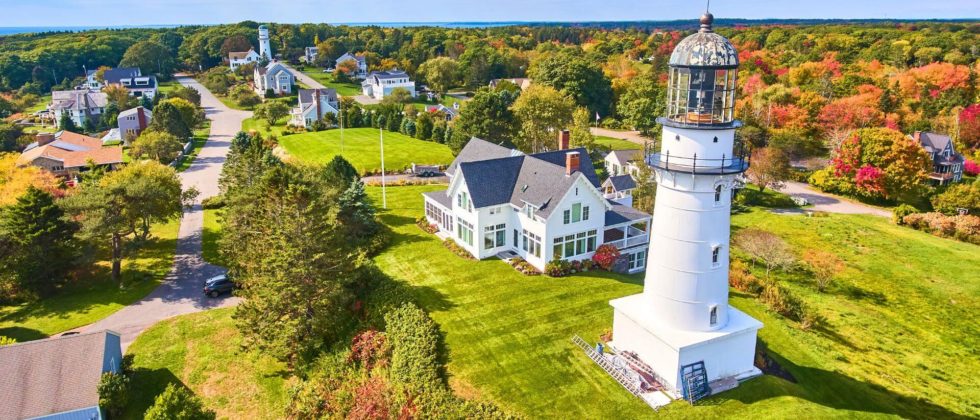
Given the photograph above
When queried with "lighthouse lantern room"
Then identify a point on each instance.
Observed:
(681, 325)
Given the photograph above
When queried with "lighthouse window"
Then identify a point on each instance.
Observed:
(714, 315)
(715, 256)
(716, 139)
(717, 193)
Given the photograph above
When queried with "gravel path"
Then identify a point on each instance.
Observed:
(180, 292)
(830, 203)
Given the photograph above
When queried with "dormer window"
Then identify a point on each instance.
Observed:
(529, 211)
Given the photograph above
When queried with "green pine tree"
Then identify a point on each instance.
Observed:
(66, 123)
(42, 249)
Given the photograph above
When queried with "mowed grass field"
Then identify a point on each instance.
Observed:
(95, 296)
(361, 146)
(617, 144)
(203, 352)
(899, 340)
(327, 79)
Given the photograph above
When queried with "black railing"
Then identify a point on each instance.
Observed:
(735, 164)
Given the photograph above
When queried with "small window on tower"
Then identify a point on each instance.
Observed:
(677, 137)
(717, 194)
(715, 256)
(716, 139)
(713, 315)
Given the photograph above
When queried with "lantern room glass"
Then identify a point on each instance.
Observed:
(701, 96)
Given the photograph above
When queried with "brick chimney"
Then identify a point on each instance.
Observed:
(316, 100)
(141, 118)
(44, 138)
(564, 137)
(571, 163)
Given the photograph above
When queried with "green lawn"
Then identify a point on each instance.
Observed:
(899, 340)
(327, 79)
(617, 144)
(896, 332)
(262, 126)
(210, 236)
(203, 352)
(361, 147)
(40, 105)
(201, 135)
(168, 86)
(95, 296)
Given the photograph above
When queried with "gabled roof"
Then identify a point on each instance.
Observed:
(113, 76)
(151, 82)
(241, 55)
(73, 150)
(479, 149)
(625, 156)
(306, 95)
(619, 214)
(496, 175)
(54, 375)
(933, 142)
(620, 182)
(348, 56)
(78, 100)
(134, 111)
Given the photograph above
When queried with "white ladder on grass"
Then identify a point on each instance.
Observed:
(600, 360)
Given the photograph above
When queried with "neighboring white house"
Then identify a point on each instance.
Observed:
(622, 162)
(132, 122)
(362, 67)
(310, 54)
(81, 105)
(379, 84)
(540, 207)
(273, 76)
(129, 77)
(238, 59)
(619, 189)
(314, 104)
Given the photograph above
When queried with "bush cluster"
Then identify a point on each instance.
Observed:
(424, 224)
(899, 213)
(605, 256)
(524, 267)
(562, 268)
(965, 228)
(778, 298)
(450, 244)
(414, 340)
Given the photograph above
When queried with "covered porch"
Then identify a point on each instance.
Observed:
(626, 227)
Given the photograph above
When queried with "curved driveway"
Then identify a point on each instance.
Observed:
(830, 203)
(180, 292)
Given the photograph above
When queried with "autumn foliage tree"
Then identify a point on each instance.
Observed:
(769, 169)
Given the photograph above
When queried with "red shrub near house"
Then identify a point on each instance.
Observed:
(606, 255)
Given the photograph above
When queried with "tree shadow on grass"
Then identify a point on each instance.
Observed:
(22, 334)
(145, 385)
(834, 390)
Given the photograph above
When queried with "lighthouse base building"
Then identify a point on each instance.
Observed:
(727, 353)
(681, 327)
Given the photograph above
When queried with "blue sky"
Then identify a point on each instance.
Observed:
(145, 12)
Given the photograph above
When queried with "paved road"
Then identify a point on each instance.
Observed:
(180, 292)
(830, 203)
(302, 77)
(631, 136)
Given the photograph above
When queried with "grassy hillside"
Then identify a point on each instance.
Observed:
(899, 338)
(361, 146)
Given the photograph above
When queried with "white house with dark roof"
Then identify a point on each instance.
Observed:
(241, 58)
(274, 76)
(379, 84)
(541, 207)
(314, 104)
(57, 378)
(947, 165)
(362, 66)
(80, 105)
(129, 77)
(623, 162)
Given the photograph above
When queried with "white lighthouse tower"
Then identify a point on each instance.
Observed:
(681, 325)
(265, 49)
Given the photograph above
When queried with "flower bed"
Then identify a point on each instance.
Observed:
(524, 267)
(562, 268)
(456, 249)
(426, 227)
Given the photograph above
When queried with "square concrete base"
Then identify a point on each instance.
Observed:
(728, 352)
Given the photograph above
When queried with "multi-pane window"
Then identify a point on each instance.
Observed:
(465, 231)
(715, 255)
(577, 213)
(717, 193)
(463, 201)
(574, 245)
(494, 236)
(638, 260)
(531, 243)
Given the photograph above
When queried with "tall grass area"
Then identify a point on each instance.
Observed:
(95, 295)
(362, 147)
(203, 352)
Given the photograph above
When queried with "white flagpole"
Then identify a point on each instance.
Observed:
(384, 192)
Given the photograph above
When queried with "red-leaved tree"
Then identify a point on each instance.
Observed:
(606, 255)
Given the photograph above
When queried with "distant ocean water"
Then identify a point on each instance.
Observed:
(11, 30)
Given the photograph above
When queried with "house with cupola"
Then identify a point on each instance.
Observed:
(540, 207)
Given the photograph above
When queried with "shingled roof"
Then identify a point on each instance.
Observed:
(55, 375)
(494, 175)
(73, 150)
